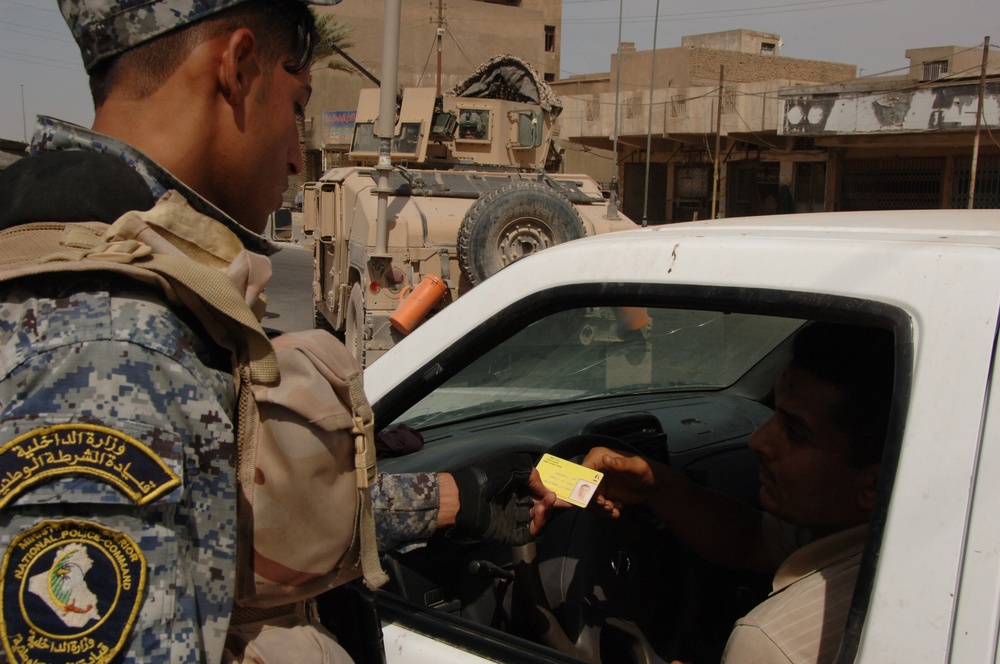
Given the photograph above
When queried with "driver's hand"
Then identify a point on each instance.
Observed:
(501, 500)
(628, 479)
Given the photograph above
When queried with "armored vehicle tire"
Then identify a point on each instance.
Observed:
(511, 222)
(319, 320)
(354, 336)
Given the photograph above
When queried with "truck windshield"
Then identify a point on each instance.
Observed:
(596, 352)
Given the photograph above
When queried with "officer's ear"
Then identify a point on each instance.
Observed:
(238, 66)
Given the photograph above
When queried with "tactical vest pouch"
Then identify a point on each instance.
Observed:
(315, 461)
(306, 441)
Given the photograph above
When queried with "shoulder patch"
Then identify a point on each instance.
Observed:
(70, 591)
(83, 449)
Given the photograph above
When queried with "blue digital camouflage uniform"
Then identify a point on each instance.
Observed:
(117, 464)
(106, 28)
(113, 371)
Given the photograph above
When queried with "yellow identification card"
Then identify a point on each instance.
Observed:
(570, 481)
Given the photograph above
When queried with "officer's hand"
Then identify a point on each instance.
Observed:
(497, 498)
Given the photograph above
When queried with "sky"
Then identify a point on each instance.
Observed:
(41, 73)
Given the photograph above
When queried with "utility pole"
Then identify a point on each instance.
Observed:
(649, 127)
(979, 117)
(440, 38)
(718, 142)
(386, 123)
(24, 119)
(612, 212)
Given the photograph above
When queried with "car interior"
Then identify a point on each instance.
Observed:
(684, 386)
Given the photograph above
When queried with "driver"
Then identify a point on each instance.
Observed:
(819, 460)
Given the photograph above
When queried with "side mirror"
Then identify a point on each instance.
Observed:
(281, 225)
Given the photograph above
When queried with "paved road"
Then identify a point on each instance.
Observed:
(289, 294)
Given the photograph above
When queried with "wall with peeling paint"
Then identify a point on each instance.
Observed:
(941, 108)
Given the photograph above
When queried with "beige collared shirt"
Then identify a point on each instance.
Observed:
(803, 619)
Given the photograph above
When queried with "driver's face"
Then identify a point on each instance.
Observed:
(803, 453)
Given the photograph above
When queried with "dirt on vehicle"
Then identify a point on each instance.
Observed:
(472, 190)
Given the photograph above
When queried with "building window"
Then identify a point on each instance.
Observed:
(935, 70)
(633, 107)
(593, 109)
(728, 100)
(678, 106)
(892, 183)
(550, 39)
(767, 48)
(691, 181)
(549, 77)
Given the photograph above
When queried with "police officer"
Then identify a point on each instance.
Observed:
(118, 489)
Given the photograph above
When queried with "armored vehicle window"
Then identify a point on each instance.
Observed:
(405, 142)
(365, 139)
(408, 139)
(474, 124)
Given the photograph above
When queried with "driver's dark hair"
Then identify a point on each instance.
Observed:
(859, 361)
(283, 30)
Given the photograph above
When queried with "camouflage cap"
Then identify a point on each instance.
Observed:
(106, 28)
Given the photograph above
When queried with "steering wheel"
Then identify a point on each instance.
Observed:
(580, 444)
(587, 575)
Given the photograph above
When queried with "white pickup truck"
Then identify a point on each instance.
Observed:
(669, 339)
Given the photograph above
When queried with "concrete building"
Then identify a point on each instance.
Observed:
(469, 32)
(680, 133)
(884, 143)
(732, 95)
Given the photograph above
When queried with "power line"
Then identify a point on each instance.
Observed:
(461, 50)
(763, 10)
(36, 33)
(50, 9)
(915, 86)
(755, 134)
(38, 60)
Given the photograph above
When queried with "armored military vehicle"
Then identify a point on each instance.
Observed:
(468, 193)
